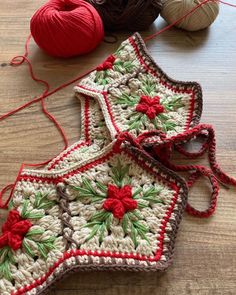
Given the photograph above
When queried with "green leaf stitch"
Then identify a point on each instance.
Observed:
(173, 104)
(86, 190)
(134, 235)
(5, 271)
(102, 231)
(137, 214)
(134, 125)
(125, 222)
(140, 230)
(34, 232)
(127, 99)
(99, 222)
(142, 204)
(136, 193)
(6, 258)
(142, 234)
(120, 172)
(101, 186)
(149, 86)
(151, 195)
(123, 66)
(93, 232)
(24, 208)
(42, 201)
(161, 122)
(27, 248)
(44, 246)
(10, 205)
(136, 228)
(33, 215)
(108, 221)
(101, 216)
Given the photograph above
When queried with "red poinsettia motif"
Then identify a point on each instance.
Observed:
(107, 64)
(119, 200)
(150, 106)
(14, 230)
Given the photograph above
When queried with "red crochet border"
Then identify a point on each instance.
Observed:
(108, 106)
(165, 219)
(74, 253)
(83, 143)
(104, 93)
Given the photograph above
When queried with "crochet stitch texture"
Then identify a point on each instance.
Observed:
(105, 203)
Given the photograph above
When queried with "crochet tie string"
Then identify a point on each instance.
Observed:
(125, 137)
(161, 147)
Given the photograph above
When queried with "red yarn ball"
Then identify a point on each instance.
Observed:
(66, 28)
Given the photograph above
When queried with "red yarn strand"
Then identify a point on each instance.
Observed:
(227, 3)
(163, 150)
(16, 61)
(23, 58)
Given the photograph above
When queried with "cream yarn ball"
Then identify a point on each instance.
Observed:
(202, 18)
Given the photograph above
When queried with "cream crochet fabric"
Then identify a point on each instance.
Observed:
(136, 95)
(104, 203)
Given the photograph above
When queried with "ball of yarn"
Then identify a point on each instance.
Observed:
(132, 15)
(66, 28)
(202, 18)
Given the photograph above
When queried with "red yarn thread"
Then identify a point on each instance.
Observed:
(166, 145)
(16, 61)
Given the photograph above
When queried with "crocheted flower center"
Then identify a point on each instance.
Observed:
(150, 106)
(107, 64)
(14, 230)
(119, 200)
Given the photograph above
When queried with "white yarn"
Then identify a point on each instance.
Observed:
(202, 18)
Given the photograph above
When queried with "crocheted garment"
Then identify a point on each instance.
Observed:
(163, 114)
(136, 95)
(95, 206)
(105, 203)
(118, 209)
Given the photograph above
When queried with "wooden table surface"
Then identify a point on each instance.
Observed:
(205, 256)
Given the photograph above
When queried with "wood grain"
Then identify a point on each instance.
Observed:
(205, 257)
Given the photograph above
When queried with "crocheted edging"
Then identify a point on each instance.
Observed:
(71, 154)
(144, 98)
(92, 212)
(83, 258)
(94, 137)
(113, 117)
(84, 138)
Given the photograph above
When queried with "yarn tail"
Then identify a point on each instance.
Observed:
(17, 61)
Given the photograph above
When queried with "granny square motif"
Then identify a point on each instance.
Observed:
(119, 209)
(135, 95)
(105, 203)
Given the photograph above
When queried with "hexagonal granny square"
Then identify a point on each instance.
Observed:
(117, 209)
